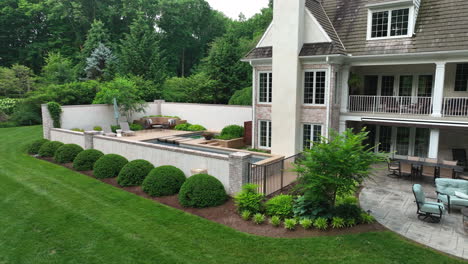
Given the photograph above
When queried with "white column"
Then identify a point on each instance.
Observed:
(438, 95)
(342, 126)
(344, 88)
(434, 143)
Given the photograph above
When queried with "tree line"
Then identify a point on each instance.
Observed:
(69, 51)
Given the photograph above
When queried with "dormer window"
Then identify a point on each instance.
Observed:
(390, 21)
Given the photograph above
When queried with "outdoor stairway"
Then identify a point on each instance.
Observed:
(174, 140)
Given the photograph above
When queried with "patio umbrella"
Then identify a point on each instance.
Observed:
(116, 111)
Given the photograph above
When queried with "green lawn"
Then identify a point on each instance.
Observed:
(49, 214)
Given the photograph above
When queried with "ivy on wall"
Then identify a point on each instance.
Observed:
(55, 111)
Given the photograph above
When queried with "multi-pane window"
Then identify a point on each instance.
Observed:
(311, 133)
(390, 23)
(385, 139)
(461, 79)
(314, 87)
(406, 85)
(402, 141)
(425, 85)
(265, 87)
(399, 24)
(421, 142)
(387, 85)
(265, 134)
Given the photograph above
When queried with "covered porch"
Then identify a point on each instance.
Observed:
(436, 89)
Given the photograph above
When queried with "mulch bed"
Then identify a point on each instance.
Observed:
(226, 215)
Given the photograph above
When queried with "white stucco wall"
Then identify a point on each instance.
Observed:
(67, 137)
(184, 159)
(213, 117)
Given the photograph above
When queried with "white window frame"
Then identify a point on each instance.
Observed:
(411, 146)
(311, 132)
(268, 138)
(396, 84)
(268, 85)
(315, 84)
(390, 10)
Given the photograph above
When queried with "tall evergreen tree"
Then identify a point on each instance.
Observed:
(100, 64)
(96, 35)
(140, 54)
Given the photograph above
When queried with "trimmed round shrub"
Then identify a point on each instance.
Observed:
(233, 131)
(48, 149)
(202, 190)
(67, 153)
(281, 205)
(164, 181)
(34, 147)
(134, 173)
(109, 166)
(196, 128)
(182, 127)
(85, 160)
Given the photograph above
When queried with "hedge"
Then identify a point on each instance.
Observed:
(67, 153)
(164, 181)
(202, 190)
(48, 149)
(85, 160)
(34, 147)
(134, 173)
(109, 166)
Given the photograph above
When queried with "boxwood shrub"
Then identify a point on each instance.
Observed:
(164, 181)
(202, 190)
(85, 160)
(281, 205)
(134, 173)
(109, 166)
(48, 149)
(34, 147)
(231, 132)
(67, 153)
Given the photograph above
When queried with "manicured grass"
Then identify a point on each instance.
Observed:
(49, 214)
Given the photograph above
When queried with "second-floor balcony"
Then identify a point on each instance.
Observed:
(407, 105)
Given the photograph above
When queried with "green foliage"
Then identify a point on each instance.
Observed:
(7, 105)
(196, 128)
(197, 88)
(73, 93)
(231, 132)
(202, 190)
(249, 199)
(96, 35)
(350, 222)
(246, 215)
(290, 223)
(338, 222)
(67, 153)
(85, 160)
(367, 218)
(55, 111)
(58, 69)
(101, 64)
(109, 166)
(26, 114)
(148, 90)
(182, 127)
(77, 130)
(16, 81)
(258, 218)
(134, 173)
(114, 128)
(126, 93)
(34, 147)
(281, 205)
(275, 221)
(164, 181)
(136, 127)
(311, 205)
(321, 223)
(48, 149)
(348, 211)
(337, 165)
(242, 97)
(97, 128)
(306, 223)
(347, 199)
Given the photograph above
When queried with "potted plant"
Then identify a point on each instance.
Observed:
(208, 135)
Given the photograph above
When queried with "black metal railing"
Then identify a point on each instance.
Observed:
(274, 176)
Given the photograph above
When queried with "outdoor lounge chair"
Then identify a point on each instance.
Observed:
(107, 131)
(126, 131)
(431, 210)
(446, 192)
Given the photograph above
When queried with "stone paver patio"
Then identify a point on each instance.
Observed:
(391, 202)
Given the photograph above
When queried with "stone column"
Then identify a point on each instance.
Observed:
(344, 88)
(434, 143)
(438, 96)
(159, 106)
(47, 122)
(238, 171)
(89, 139)
(342, 126)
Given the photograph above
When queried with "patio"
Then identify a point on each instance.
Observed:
(392, 203)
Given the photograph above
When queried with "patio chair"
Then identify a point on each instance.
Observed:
(126, 131)
(393, 168)
(107, 131)
(431, 210)
(406, 169)
(429, 169)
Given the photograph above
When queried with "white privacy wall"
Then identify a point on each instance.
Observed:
(184, 159)
(213, 117)
(68, 137)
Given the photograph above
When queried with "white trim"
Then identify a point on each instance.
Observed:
(410, 29)
(268, 138)
(389, 4)
(268, 87)
(334, 30)
(322, 128)
(327, 85)
(318, 25)
(254, 108)
(264, 35)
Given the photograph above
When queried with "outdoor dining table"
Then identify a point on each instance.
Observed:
(421, 162)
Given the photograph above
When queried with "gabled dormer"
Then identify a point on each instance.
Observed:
(392, 19)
